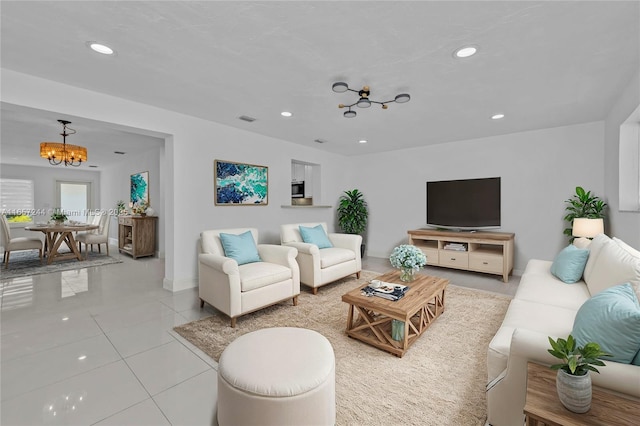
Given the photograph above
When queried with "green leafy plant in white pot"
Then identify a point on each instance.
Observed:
(573, 382)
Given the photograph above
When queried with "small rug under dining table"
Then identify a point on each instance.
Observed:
(26, 263)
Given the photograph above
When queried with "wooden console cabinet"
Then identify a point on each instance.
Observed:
(137, 235)
(488, 252)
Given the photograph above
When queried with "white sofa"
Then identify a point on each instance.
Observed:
(545, 306)
(323, 266)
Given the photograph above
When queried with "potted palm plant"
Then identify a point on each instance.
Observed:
(353, 214)
(573, 382)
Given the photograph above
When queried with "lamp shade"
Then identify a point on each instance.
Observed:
(586, 227)
(363, 103)
(402, 98)
(64, 152)
(340, 87)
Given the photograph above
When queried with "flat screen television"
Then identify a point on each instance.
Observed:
(465, 204)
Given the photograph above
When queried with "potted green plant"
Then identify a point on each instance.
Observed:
(583, 204)
(120, 207)
(58, 216)
(573, 382)
(353, 214)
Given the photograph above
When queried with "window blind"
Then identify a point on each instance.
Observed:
(16, 196)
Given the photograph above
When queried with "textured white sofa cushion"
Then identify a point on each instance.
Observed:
(537, 284)
(594, 250)
(633, 252)
(613, 265)
(261, 274)
(555, 321)
(334, 256)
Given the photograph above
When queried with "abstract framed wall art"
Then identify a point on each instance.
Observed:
(140, 189)
(238, 184)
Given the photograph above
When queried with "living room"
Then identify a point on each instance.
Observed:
(539, 167)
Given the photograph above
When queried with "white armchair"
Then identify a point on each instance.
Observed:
(323, 266)
(239, 289)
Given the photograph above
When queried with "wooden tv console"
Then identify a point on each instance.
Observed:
(488, 252)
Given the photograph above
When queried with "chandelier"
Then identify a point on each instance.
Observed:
(364, 101)
(58, 153)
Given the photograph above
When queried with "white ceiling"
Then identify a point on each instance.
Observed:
(543, 64)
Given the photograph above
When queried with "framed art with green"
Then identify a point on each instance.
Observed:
(240, 184)
(140, 189)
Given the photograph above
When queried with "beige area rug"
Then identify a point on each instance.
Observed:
(439, 381)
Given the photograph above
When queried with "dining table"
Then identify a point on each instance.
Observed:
(56, 234)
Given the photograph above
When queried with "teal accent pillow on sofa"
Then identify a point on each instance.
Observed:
(315, 235)
(569, 264)
(241, 247)
(611, 318)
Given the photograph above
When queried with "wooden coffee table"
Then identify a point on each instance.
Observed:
(370, 318)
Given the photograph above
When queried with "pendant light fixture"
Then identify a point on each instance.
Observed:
(364, 101)
(59, 153)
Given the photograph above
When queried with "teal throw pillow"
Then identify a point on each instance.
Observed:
(241, 247)
(315, 235)
(569, 264)
(611, 318)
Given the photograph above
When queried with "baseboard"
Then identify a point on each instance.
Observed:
(181, 284)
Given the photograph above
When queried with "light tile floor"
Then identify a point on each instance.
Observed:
(96, 346)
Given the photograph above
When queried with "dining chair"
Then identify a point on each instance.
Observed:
(98, 236)
(18, 243)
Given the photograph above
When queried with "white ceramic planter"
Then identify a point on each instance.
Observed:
(574, 391)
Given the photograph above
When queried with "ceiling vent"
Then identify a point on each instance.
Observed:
(119, 152)
(247, 118)
(319, 141)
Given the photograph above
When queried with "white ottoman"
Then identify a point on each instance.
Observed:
(277, 376)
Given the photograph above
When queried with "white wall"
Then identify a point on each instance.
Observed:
(624, 224)
(539, 170)
(45, 187)
(117, 186)
(186, 167)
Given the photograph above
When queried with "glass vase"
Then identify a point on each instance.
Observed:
(407, 274)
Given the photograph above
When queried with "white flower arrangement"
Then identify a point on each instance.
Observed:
(408, 256)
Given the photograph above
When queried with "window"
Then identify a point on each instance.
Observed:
(16, 199)
(629, 163)
(74, 198)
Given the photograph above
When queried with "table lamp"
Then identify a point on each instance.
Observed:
(585, 229)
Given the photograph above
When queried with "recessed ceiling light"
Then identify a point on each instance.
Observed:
(286, 114)
(100, 48)
(362, 141)
(465, 51)
(497, 116)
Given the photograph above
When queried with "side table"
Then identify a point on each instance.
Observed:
(544, 407)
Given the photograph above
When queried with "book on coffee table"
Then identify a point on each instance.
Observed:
(390, 291)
